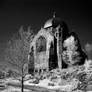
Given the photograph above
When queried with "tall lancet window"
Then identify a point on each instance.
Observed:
(41, 44)
(31, 61)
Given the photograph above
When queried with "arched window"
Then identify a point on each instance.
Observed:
(31, 61)
(41, 44)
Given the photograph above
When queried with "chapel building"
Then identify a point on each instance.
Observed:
(46, 48)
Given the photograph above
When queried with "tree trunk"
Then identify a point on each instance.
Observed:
(22, 81)
(22, 85)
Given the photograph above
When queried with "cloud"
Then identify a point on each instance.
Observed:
(88, 47)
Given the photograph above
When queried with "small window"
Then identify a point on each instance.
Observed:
(36, 70)
(32, 52)
(44, 70)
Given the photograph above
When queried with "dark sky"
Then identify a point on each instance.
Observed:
(34, 13)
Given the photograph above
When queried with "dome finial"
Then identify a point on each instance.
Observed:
(54, 14)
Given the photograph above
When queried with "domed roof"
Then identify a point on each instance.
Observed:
(53, 22)
(48, 23)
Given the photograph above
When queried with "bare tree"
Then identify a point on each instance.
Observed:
(16, 53)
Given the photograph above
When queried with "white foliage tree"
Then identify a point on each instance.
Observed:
(16, 53)
(70, 55)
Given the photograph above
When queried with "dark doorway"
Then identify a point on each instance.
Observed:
(53, 63)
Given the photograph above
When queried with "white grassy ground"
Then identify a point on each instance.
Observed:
(42, 83)
(14, 89)
(45, 84)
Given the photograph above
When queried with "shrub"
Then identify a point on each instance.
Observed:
(82, 77)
